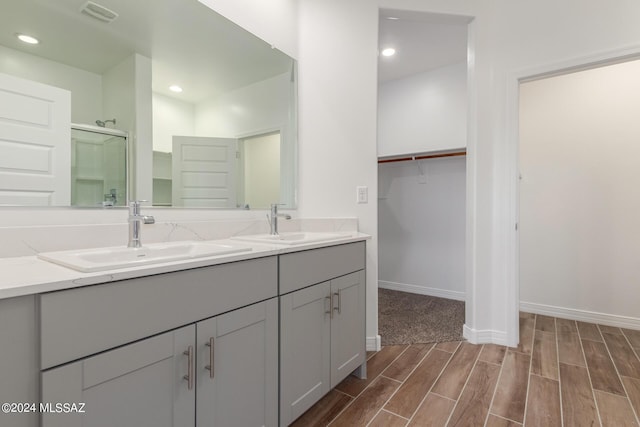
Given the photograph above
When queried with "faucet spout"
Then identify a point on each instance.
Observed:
(135, 220)
(273, 219)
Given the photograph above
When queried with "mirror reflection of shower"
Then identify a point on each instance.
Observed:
(98, 166)
(102, 123)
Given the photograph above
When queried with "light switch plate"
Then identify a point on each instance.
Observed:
(362, 194)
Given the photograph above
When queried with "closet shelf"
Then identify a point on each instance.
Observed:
(423, 156)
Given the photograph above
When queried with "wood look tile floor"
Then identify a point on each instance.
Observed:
(563, 373)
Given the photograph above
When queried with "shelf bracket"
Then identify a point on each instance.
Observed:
(422, 178)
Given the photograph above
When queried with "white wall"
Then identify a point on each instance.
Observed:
(251, 109)
(171, 117)
(127, 98)
(337, 121)
(274, 21)
(579, 194)
(421, 217)
(423, 112)
(259, 108)
(337, 124)
(519, 36)
(119, 95)
(85, 87)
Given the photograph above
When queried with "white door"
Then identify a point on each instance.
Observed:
(204, 172)
(35, 135)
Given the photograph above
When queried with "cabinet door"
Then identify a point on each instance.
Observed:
(347, 326)
(141, 384)
(305, 344)
(242, 389)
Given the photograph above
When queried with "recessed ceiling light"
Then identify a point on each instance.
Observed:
(27, 39)
(175, 88)
(392, 18)
(388, 51)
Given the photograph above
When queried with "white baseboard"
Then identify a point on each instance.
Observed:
(374, 343)
(487, 336)
(581, 315)
(422, 290)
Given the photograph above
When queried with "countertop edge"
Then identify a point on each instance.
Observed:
(61, 278)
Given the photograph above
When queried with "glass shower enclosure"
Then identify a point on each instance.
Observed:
(98, 166)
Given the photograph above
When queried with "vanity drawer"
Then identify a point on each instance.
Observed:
(79, 322)
(301, 269)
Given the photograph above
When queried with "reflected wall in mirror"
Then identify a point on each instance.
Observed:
(118, 74)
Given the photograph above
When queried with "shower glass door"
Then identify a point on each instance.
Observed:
(98, 167)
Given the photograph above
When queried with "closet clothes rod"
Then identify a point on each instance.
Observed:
(426, 156)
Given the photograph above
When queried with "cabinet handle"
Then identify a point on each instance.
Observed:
(339, 306)
(330, 312)
(209, 367)
(189, 376)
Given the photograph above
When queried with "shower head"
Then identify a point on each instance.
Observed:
(104, 123)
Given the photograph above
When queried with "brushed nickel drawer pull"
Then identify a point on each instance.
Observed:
(330, 312)
(339, 306)
(189, 376)
(210, 366)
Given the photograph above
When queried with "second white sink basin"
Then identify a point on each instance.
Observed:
(291, 238)
(101, 259)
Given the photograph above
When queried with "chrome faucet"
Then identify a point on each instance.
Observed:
(273, 219)
(135, 219)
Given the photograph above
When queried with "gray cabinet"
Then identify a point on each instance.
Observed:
(155, 382)
(77, 323)
(322, 326)
(19, 373)
(141, 384)
(348, 346)
(139, 352)
(305, 342)
(242, 388)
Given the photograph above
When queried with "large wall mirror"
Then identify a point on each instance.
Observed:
(166, 100)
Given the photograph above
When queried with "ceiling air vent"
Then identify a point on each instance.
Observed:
(98, 12)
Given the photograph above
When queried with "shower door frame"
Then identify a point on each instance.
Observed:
(127, 150)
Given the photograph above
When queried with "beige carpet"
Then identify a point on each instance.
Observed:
(405, 318)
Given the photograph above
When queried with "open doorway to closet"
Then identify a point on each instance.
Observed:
(422, 116)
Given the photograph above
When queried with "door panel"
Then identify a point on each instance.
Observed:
(204, 172)
(305, 349)
(35, 129)
(141, 384)
(244, 389)
(347, 326)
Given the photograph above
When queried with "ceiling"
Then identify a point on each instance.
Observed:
(423, 42)
(190, 45)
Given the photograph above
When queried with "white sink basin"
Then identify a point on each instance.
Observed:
(291, 238)
(101, 259)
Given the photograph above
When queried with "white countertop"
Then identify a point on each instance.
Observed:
(29, 275)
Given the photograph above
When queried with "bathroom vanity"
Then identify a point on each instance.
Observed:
(251, 341)
(322, 314)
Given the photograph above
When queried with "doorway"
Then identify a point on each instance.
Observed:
(259, 170)
(422, 116)
(579, 162)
